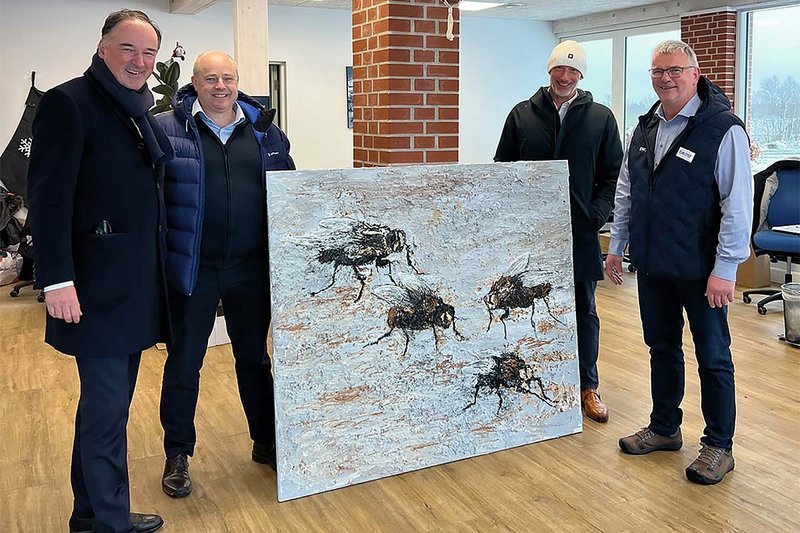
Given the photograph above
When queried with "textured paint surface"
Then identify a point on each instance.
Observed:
(349, 412)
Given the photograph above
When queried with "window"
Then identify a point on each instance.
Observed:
(617, 63)
(598, 70)
(639, 94)
(771, 106)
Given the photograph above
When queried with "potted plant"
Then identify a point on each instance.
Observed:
(167, 74)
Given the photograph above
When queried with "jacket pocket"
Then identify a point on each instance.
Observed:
(104, 269)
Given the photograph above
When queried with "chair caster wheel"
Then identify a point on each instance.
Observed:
(631, 268)
(14, 293)
(746, 299)
(40, 298)
(762, 310)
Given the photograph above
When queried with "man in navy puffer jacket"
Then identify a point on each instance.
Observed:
(215, 193)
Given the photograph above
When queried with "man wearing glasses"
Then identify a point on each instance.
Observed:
(684, 204)
(562, 122)
(215, 192)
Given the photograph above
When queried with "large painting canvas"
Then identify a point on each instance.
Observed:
(421, 315)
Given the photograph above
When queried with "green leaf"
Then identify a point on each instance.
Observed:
(161, 68)
(164, 89)
(172, 75)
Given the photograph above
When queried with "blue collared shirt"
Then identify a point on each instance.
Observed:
(222, 132)
(734, 180)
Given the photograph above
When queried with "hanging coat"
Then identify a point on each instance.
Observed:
(14, 161)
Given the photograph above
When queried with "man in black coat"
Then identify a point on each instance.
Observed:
(97, 217)
(562, 122)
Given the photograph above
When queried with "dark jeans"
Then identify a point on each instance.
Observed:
(588, 332)
(100, 449)
(661, 304)
(244, 291)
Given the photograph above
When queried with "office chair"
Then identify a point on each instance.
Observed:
(776, 203)
(27, 277)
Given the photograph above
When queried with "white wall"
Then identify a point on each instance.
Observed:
(316, 46)
(57, 40)
(503, 62)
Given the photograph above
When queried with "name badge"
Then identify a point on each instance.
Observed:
(686, 155)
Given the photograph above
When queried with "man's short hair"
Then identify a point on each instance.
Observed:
(196, 69)
(127, 14)
(670, 46)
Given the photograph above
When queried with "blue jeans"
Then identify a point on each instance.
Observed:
(661, 305)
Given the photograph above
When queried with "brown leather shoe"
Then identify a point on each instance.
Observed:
(645, 441)
(710, 466)
(593, 406)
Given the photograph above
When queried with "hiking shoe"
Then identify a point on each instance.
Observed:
(710, 466)
(645, 441)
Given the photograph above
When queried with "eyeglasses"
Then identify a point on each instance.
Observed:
(673, 72)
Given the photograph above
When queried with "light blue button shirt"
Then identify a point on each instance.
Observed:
(734, 180)
(222, 132)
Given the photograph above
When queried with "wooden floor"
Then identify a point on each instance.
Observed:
(577, 483)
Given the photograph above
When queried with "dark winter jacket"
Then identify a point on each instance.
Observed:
(589, 141)
(88, 165)
(675, 208)
(185, 181)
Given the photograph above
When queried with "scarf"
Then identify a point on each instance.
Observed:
(136, 105)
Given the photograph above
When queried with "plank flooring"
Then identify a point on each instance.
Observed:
(577, 483)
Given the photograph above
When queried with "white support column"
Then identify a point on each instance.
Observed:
(250, 39)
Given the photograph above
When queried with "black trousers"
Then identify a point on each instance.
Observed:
(100, 449)
(588, 332)
(661, 304)
(244, 291)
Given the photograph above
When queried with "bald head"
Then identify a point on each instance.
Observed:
(212, 56)
(215, 77)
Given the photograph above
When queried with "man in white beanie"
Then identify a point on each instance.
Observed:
(562, 122)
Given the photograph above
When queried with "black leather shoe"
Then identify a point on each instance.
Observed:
(142, 523)
(176, 482)
(265, 454)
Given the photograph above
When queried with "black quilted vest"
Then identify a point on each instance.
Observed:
(675, 212)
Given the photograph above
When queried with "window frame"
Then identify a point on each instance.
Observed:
(618, 57)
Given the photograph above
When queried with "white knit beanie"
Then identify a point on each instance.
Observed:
(568, 54)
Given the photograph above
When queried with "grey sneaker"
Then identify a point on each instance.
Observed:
(710, 466)
(645, 441)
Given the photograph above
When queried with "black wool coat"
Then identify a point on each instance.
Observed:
(589, 140)
(88, 164)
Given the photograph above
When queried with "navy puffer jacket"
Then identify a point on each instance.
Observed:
(184, 180)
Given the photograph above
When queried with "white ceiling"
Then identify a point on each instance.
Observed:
(529, 9)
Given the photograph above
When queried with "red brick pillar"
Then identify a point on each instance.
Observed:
(405, 83)
(713, 37)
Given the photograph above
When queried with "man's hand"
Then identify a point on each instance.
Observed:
(719, 291)
(614, 268)
(63, 304)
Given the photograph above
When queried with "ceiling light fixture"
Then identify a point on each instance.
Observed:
(466, 5)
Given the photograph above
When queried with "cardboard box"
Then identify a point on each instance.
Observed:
(754, 272)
